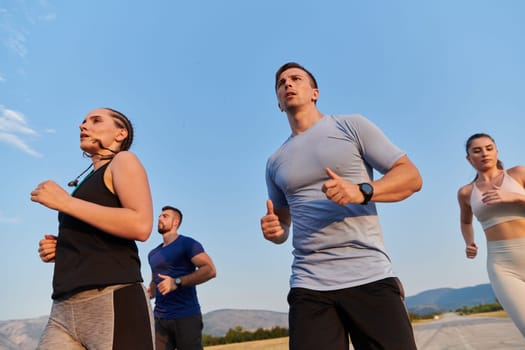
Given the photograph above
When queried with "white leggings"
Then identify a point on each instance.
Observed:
(506, 269)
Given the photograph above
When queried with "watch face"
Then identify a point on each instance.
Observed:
(367, 188)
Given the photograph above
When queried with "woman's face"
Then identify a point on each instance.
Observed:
(98, 131)
(482, 153)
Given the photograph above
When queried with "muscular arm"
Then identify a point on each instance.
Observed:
(398, 183)
(205, 270)
(401, 181)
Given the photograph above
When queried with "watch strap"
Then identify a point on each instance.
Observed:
(367, 193)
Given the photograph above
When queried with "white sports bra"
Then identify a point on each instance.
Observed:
(493, 214)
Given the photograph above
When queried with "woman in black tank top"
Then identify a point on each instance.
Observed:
(95, 250)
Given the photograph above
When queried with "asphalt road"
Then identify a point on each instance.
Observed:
(454, 332)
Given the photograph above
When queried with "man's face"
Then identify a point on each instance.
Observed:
(167, 219)
(295, 89)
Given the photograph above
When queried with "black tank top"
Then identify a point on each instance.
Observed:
(87, 257)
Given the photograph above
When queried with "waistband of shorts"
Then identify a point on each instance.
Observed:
(92, 293)
(506, 243)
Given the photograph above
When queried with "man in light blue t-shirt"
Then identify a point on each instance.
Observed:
(321, 180)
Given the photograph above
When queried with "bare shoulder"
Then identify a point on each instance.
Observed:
(125, 159)
(464, 192)
(125, 163)
(125, 156)
(518, 173)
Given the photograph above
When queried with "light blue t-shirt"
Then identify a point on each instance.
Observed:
(334, 246)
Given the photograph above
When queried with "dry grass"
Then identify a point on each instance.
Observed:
(423, 321)
(500, 313)
(269, 344)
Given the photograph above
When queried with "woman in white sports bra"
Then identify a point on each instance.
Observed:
(497, 198)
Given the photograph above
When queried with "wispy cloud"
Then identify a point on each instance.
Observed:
(41, 10)
(16, 22)
(17, 19)
(13, 35)
(13, 129)
(6, 220)
(16, 41)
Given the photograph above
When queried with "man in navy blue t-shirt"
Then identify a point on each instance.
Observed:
(177, 265)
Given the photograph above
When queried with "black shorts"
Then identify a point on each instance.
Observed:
(373, 315)
(181, 334)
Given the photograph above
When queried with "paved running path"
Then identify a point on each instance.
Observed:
(454, 332)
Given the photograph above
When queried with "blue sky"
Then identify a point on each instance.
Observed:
(196, 79)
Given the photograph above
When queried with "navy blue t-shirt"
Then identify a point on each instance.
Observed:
(174, 260)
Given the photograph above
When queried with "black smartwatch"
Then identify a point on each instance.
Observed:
(178, 282)
(367, 190)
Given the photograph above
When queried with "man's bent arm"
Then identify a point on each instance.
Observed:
(398, 183)
(205, 271)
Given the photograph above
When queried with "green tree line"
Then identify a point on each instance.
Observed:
(476, 309)
(496, 306)
(239, 335)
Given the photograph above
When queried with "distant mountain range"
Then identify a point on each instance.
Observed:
(218, 322)
(21, 334)
(449, 299)
(24, 334)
